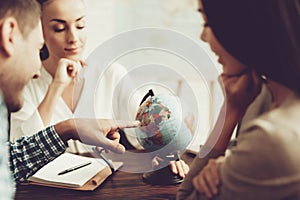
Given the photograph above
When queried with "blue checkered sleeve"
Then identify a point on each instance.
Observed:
(28, 154)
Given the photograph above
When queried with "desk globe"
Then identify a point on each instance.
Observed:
(162, 130)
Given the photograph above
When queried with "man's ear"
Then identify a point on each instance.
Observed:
(8, 33)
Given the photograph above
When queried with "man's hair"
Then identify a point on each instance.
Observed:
(26, 12)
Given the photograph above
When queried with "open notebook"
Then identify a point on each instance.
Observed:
(88, 177)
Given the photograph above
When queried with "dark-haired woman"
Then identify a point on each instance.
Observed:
(253, 39)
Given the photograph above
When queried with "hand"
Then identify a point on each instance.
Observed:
(66, 71)
(208, 180)
(241, 90)
(177, 167)
(98, 132)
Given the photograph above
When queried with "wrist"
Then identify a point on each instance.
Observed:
(56, 87)
(66, 130)
(222, 132)
(233, 113)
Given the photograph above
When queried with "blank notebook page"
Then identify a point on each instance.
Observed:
(76, 178)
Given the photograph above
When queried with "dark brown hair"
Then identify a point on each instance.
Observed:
(263, 34)
(26, 12)
(42, 1)
(44, 53)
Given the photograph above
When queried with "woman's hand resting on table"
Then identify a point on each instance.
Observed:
(208, 180)
(177, 167)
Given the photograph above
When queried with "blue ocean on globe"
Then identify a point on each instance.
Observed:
(162, 127)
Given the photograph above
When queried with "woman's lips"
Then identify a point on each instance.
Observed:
(220, 60)
(72, 50)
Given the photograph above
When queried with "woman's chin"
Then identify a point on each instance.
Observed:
(76, 57)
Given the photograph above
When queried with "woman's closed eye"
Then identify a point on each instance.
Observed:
(80, 24)
(205, 24)
(80, 27)
(59, 28)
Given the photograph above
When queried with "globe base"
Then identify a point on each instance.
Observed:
(163, 176)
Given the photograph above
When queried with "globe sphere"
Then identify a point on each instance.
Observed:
(161, 124)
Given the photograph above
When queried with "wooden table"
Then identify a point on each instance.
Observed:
(121, 185)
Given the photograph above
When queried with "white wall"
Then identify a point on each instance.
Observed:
(108, 17)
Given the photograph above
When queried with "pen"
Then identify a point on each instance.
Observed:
(74, 168)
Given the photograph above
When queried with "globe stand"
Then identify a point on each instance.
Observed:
(163, 176)
(150, 127)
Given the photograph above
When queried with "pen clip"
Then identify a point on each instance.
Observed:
(108, 162)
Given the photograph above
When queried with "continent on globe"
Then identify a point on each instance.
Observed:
(160, 122)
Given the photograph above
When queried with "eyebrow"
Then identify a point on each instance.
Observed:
(64, 22)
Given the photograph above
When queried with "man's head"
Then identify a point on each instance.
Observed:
(20, 41)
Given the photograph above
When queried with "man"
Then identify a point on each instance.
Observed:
(20, 42)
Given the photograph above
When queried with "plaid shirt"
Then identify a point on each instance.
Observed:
(27, 155)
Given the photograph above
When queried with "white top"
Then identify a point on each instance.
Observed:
(110, 101)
